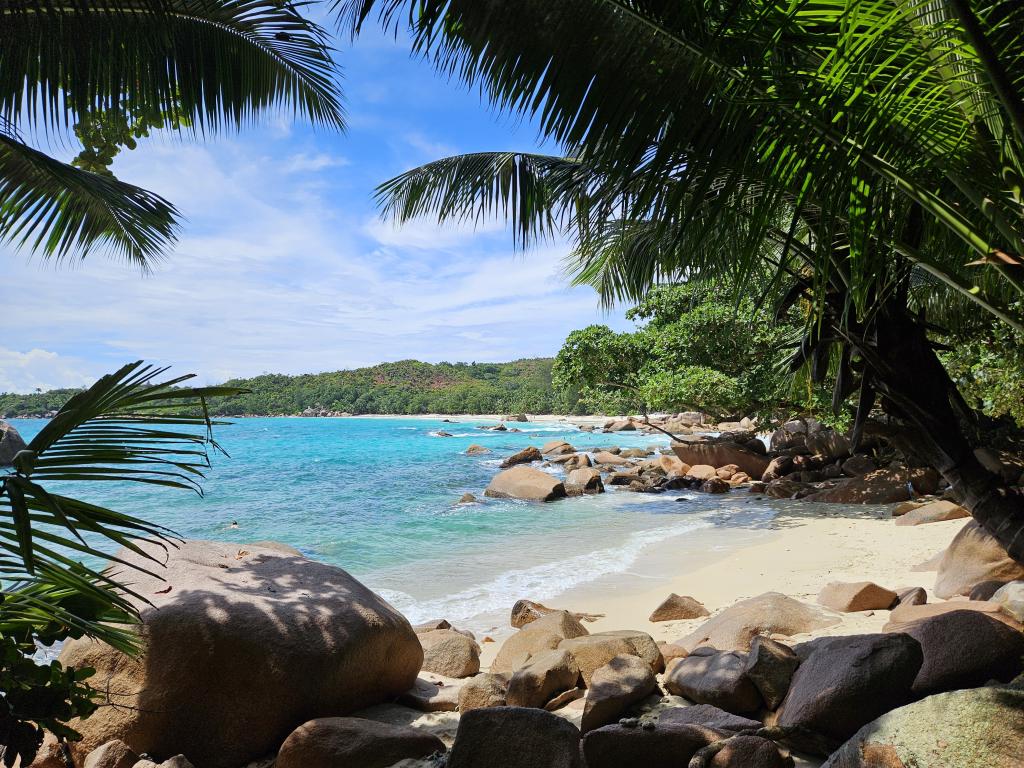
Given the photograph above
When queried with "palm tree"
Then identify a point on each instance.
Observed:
(113, 69)
(868, 141)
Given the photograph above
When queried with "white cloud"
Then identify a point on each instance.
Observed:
(39, 369)
(311, 163)
(274, 273)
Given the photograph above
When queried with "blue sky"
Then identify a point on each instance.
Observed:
(283, 264)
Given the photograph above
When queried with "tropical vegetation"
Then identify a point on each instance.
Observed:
(695, 350)
(870, 153)
(404, 387)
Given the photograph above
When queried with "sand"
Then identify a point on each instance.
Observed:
(805, 551)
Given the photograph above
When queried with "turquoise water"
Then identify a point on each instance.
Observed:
(377, 497)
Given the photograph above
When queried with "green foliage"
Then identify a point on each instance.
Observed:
(988, 366)
(404, 387)
(699, 349)
(116, 69)
(36, 698)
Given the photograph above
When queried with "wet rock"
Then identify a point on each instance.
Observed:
(714, 485)
(714, 677)
(525, 456)
(467, 498)
(515, 737)
(850, 597)
(678, 607)
(354, 742)
(588, 479)
(477, 450)
(525, 483)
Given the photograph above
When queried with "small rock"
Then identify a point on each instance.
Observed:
(850, 597)
(911, 596)
(556, 448)
(935, 512)
(529, 454)
(702, 472)
(1010, 598)
(429, 696)
(467, 498)
(477, 450)
(449, 653)
(714, 485)
(588, 478)
(483, 690)
(564, 698)
(676, 607)
(113, 754)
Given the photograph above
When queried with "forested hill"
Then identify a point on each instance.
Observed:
(408, 386)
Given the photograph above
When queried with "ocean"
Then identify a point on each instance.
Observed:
(377, 496)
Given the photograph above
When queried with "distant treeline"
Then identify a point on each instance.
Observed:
(405, 387)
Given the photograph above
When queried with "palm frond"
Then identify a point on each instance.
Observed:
(131, 426)
(59, 210)
(206, 63)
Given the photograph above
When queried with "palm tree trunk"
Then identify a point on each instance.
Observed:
(909, 374)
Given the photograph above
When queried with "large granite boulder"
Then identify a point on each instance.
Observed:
(622, 682)
(965, 649)
(882, 486)
(587, 478)
(515, 737)
(851, 597)
(546, 674)
(527, 483)
(848, 681)
(718, 678)
(903, 617)
(11, 443)
(355, 743)
(594, 651)
(242, 644)
(719, 454)
(769, 614)
(770, 667)
(972, 557)
(974, 728)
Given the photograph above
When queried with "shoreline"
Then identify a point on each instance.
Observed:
(800, 552)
